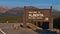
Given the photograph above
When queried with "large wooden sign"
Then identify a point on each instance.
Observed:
(38, 15)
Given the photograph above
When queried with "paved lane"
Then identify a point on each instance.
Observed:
(1, 33)
(8, 29)
(13, 31)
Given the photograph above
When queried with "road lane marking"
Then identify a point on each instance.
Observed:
(2, 31)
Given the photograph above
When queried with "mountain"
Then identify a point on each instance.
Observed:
(31, 7)
(14, 11)
(20, 11)
(3, 9)
(55, 12)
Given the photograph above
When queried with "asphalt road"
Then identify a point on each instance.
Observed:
(1, 33)
(8, 29)
(13, 31)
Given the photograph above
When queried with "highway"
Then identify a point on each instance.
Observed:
(1, 33)
(8, 28)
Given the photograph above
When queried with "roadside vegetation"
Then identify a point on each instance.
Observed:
(10, 19)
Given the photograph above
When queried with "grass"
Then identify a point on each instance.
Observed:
(10, 19)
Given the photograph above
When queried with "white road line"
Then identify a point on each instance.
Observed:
(2, 31)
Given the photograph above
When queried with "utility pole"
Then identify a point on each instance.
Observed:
(24, 17)
(50, 19)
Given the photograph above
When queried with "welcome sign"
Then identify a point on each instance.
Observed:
(35, 15)
(38, 15)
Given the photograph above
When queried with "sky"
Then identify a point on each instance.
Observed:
(36, 3)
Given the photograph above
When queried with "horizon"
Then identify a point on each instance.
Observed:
(35, 3)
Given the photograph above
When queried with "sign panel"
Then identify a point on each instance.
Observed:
(35, 15)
